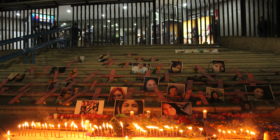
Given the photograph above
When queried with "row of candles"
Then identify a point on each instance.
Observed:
(69, 129)
(86, 128)
(236, 133)
(166, 131)
(107, 130)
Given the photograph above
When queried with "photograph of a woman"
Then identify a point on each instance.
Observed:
(176, 67)
(127, 105)
(150, 83)
(215, 95)
(117, 93)
(176, 108)
(260, 92)
(175, 91)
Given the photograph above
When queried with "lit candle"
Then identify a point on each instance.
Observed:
(8, 133)
(121, 124)
(190, 129)
(200, 129)
(131, 113)
(266, 136)
(214, 136)
(19, 127)
(148, 114)
(181, 132)
(204, 114)
(58, 126)
(161, 132)
(101, 130)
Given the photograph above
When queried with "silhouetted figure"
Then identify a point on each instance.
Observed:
(195, 36)
(75, 32)
(262, 27)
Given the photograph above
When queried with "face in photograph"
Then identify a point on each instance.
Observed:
(128, 105)
(140, 68)
(168, 109)
(175, 90)
(176, 108)
(215, 95)
(260, 92)
(117, 93)
(176, 67)
(218, 66)
(150, 83)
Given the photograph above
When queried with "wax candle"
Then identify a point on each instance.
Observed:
(8, 133)
(181, 132)
(58, 126)
(204, 114)
(200, 130)
(121, 124)
(148, 114)
(266, 136)
(19, 127)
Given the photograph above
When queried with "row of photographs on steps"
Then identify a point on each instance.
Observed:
(125, 106)
(177, 67)
(129, 106)
(178, 91)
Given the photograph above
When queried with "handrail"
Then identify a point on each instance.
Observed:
(29, 50)
(5, 42)
(33, 48)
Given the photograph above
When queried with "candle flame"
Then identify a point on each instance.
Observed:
(167, 127)
(200, 128)
(214, 135)
(252, 133)
(152, 127)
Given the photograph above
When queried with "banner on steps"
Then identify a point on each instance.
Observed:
(89, 107)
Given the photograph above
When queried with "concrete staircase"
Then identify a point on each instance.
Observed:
(264, 66)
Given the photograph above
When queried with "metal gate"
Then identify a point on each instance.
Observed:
(23, 22)
(129, 23)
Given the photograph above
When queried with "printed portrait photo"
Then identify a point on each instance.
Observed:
(140, 68)
(150, 83)
(127, 105)
(215, 95)
(89, 107)
(259, 92)
(218, 66)
(176, 108)
(176, 67)
(175, 90)
(117, 93)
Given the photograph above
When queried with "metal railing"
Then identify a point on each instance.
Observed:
(56, 38)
